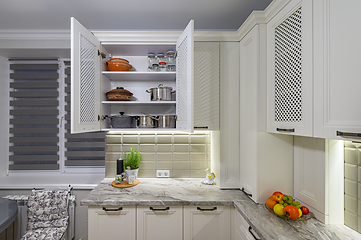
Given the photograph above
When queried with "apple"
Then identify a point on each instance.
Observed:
(278, 196)
(304, 210)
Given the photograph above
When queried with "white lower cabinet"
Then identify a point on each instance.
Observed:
(165, 222)
(207, 222)
(112, 223)
(159, 223)
(243, 231)
(318, 177)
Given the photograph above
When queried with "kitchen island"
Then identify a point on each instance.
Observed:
(191, 192)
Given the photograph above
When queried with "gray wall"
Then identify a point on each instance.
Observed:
(81, 212)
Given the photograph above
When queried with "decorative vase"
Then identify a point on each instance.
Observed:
(131, 175)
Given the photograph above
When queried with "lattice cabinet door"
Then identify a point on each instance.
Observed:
(289, 70)
(184, 79)
(85, 79)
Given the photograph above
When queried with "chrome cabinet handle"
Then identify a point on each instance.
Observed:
(112, 209)
(248, 194)
(348, 134)
(205, 209)
(249, 230)
(159, 209)
(285, 129)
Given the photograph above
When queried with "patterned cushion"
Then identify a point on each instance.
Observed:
(47, 215)
(44, 234)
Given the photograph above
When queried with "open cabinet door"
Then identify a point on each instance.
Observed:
(85, 79)
(185, 76)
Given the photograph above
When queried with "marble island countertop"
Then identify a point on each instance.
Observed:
(187, 191)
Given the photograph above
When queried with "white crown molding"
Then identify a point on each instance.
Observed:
(34, 34)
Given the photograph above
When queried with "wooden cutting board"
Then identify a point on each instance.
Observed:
(124, 184)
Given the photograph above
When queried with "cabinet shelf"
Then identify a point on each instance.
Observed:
(143, 76)
(149, 103)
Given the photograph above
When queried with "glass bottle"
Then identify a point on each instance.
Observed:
(171, 57)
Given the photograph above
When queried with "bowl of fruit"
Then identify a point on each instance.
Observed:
(286, 207)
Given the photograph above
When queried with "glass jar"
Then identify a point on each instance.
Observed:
(151, 59)
(162, 66)
(160, 58)
(171, 57)
(170, 67)
(154, 67)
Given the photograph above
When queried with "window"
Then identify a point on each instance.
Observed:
(39, 128)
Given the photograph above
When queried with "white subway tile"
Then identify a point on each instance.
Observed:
(198, 156)
(198, 139)
(351, 219)
(113, 139)
(181, 147)
(181, 156)
(180, 165)
(164, 165)
(351, 171)
(110, 169)
(198, 148)
(112, 156)
(350, 203)
(351, 188)
(198, 165)
(147, 139)
(164, 156)
(130, 139)
(164, 139)
(164, 147)
(179, 174)
(197, 174)
(351, 156)
(147, 156)
(181, 139)
(146, 148)
(113, 148)
(126, 147)
(147, 165)
(142, 173)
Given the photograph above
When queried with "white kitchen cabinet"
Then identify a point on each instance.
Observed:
(243, 231)
(90, 79)
(206, 85)
(289, 70)
(337, 56)
(112, 222)
(318, 177)
(207, 222)
(159, 222)
(229, 115)
(266, 160)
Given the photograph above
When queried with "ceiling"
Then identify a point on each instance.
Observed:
(215, 15)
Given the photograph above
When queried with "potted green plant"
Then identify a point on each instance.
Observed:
(131, 165)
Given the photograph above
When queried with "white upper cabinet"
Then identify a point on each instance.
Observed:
(85, 79)
(91, 80)
(289, 70)
(337, 57)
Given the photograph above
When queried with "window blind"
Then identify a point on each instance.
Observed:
(82, 149)
(34, 132)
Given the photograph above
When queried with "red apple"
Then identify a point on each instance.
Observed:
(304, 210)
(278, 196)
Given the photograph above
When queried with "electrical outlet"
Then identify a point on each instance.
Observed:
(163, 173)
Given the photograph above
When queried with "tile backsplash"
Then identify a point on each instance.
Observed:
(352, 185)
(185, 155)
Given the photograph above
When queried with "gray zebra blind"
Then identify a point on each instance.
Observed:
(34, 132)
(82, 149)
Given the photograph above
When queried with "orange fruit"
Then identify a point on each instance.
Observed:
(271, 203)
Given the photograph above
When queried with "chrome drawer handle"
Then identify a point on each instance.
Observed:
(204, 209)
(112, 209)
(348, 134)
(247, 194)
(159, 209)
(285, 129)
(249, 230)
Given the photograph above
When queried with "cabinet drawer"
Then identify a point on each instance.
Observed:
(111, 222)
(243, 230)
(159, 222)
(207, 222)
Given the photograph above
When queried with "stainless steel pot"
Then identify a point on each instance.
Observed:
(147, 122)
(167, 121)
(161, 93)
(121, 121)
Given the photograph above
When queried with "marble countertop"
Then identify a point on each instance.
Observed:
(187, 191)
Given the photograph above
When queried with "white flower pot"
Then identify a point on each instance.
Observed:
(131, 175)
